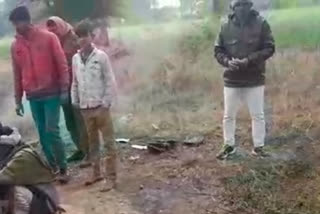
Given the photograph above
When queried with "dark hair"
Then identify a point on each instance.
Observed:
(5, 130)
(84, 29)
(20, 14)
(50, 23)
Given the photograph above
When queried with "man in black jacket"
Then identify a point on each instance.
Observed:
(243, 45)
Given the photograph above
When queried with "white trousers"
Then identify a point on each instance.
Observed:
(253, 98)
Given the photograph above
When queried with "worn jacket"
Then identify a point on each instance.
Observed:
(39, 65)
(253, 41)
(68, 39)
(92, 85)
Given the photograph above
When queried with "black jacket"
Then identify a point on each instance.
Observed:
(253, 41)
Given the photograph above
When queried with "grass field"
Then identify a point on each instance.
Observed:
(298, 28)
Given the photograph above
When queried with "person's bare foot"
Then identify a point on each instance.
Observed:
(93, 181)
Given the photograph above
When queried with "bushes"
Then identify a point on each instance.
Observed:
(200, 38)
(292, 28)
(280, 4)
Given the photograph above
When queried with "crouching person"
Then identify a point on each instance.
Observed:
(92, 93)
(26, 180)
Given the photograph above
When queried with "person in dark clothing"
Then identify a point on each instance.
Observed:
(74, 121)
(243, 45)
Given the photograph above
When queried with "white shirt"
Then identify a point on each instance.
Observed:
(92, 84)
(12, 139)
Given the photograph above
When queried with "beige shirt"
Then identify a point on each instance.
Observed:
(92, 84)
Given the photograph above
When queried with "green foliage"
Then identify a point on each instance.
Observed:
(279, 4)
(76, 10)
(201, 38)
(296, 27)
(261, 187)
(5, 48)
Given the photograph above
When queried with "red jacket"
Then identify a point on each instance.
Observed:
(39, 65)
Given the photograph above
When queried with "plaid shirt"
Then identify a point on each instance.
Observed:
(92, 84)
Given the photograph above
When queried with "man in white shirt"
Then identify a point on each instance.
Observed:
(92, 92)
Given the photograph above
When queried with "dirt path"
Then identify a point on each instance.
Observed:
(183, 181)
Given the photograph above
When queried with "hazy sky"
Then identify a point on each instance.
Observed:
(174, 3)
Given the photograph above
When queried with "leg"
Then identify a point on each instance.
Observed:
(106, 127)
(255, 101)
(52, 119)
(73, 128)
(71, 123)
(38, 114)
(232, 101)
(23, 199)
(83, 133)
(94, 145)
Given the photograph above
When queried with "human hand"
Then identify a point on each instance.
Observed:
(233, 65)
(242, 63)
(19, 109)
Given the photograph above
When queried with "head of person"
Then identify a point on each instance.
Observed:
(5, 130)
(242, 8)
(58, 26)
(84, 31)
(21, 19)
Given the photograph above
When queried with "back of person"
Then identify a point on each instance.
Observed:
(25, 178)
(66, 36)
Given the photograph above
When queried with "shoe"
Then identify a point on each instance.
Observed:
(63, 177)
(93, 181)
(77, 156)
(259, 152)
(225, 152)
(85, 164)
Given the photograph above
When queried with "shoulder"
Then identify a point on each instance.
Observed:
(76, 57)
(47, 34)
(225, 20)
(260, 19)
(101, 54)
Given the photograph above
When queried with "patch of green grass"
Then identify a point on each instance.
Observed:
(5, 45)
(262, 187)
(296, 27)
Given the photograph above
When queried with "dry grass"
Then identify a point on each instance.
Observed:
(171, 92)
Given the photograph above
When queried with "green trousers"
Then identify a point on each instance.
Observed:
(46, 114)
(76, 127)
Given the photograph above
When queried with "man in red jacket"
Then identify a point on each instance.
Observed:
(41, 72)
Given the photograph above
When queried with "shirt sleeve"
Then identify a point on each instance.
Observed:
(267, 46)
(74, 86)
(17, 73)
(220, 52)
(108, 80)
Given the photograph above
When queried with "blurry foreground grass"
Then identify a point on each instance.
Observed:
(5, 44)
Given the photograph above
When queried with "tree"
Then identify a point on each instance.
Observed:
(74, 10)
